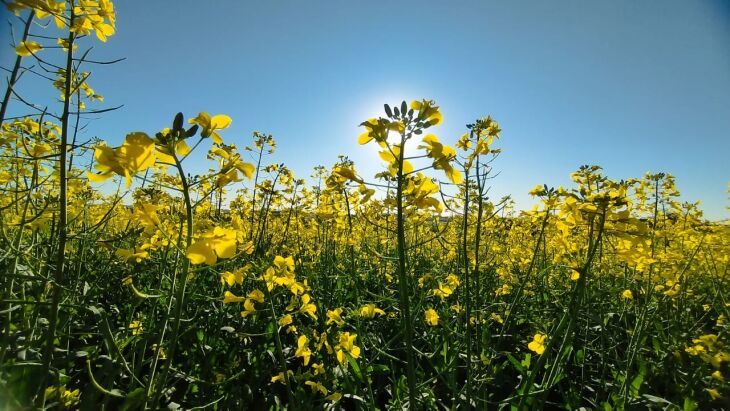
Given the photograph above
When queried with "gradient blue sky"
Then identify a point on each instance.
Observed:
(633, 86)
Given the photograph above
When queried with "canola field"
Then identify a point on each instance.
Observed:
(129, 283)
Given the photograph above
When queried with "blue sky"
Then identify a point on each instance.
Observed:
(631, 86)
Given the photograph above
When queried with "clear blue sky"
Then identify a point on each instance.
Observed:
(633, 86)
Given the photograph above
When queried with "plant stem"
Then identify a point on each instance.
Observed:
(16, 68)
(182, 281)
(403, 283)
(62, 218)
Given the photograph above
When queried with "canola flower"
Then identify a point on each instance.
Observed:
(136, 327)
(303, 350)
(68, 398)
(136, 154)
(211, 125)
(212, 245)
(28, 48)
(370, 311)
(537, 345)
(431, 317)
(335, 316)
(347, 347)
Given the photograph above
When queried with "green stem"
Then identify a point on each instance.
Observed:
(279, 349)
(403, 283)
(467, 287)
(182, 281)
(62, 218)
(16, 68)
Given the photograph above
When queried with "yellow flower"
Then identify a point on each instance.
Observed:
(161, 351)
(61, 394)
(538, 343)
(347, 344)
(230, 278)
(505, 289)
(419, 190)
(136, 327)
(133, 254)
(146, 215)
(211, 124)
(627, 294)
(442, 156)
(27, 48)
(229, 297)
(297, 288)
(38, 150)
(307, 307)
(285, 320)
(713, 393)
(538, 190)
(280, 376)
(347, 173)
(135, 155)
(432, 317)
(217, 243)
(318, 368)
(322, 341)
(378, 130)
(334, 397)
(248, 308)
(284, 263)
(335, 316)
(428, 111)
(315, 386)
(443, 290)
(695, 350)
(453, 280)
(303, 349)
(257, 296)
(370, 311)
(391, 156)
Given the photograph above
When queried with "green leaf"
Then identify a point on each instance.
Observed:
(637, 381)
(689, 405)
(526, 362)
(355, 367)
(656, 400)
(516, 363)
(134, 400)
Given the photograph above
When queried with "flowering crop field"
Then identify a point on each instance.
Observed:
(247, 287)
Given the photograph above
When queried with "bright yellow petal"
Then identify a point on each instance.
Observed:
(216, 138)
(364, 138)
(182, 148)
(98, 178)
(220, 121)
(247, 169)
(201, 252)
(454, 175)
